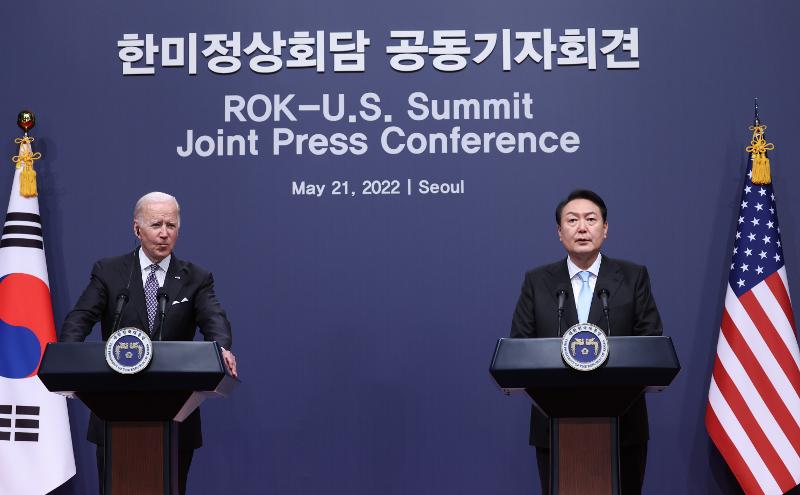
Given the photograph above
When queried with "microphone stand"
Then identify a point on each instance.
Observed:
(603, 295)
(162, 313)
(562, 296)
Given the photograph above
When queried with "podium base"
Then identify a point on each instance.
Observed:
(584, 456)
(141, 458)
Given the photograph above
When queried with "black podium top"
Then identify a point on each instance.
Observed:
(179, 377)
(634, 365)
(632, 361)
(71, 367)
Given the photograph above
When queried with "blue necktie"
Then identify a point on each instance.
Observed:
(150, 291)
(584, 298)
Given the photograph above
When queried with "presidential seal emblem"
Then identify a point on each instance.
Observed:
(584, 347)
(129, 350)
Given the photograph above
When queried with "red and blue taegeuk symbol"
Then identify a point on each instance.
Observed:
(26, 324)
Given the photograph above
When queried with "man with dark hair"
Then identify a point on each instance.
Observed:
(156, 223)
(583, 194)
(582, 226)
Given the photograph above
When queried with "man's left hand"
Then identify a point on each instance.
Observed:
(230, 362)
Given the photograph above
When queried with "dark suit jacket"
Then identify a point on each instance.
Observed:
(632, 311)
(109, 278)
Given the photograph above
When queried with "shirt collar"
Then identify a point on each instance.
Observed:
(144, 262)
(573, 269)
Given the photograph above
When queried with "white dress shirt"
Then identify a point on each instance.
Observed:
(575, 279)
(161, 273)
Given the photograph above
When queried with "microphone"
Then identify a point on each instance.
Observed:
(122, 300)
(603, 295)
(561, 294)
(162, 298)
(124, 295)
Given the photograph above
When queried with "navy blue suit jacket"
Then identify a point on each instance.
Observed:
(632, 311)
(184, 280)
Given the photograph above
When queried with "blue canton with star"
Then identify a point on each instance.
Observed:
(757, 251)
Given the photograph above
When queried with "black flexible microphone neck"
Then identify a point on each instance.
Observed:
(125, 295)
(162, 298)
(603, 295)
(562, 297)
(122, 300)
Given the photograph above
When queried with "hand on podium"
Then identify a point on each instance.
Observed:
(230, 362)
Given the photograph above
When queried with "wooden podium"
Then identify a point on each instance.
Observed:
(584, 406)
(140, 410)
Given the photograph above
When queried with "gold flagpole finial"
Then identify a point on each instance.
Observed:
(27, 177)
(26, 120)
(758, 151)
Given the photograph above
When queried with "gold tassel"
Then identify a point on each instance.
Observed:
(758, 154)
(27, 181)
(761, 173)
(25, 159)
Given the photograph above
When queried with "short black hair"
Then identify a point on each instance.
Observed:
(582, 194)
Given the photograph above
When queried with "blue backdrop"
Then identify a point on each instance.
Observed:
(364, 324)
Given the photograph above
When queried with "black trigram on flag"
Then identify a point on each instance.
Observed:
(22, 230)
(19, 423)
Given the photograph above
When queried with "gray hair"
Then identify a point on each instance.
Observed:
(154, 197)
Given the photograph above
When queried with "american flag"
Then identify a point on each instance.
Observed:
(753, 413)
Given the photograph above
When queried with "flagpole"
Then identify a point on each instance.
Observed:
(756, 120)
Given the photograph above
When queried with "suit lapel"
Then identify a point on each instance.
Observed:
(176, 278)
(609, 277)
(559, 279)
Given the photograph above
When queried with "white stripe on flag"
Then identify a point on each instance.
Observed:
(758, 407)
(23, 223)
(763, 354)
(741, 441)
(778, 318)
(22, 236)
(782, 274)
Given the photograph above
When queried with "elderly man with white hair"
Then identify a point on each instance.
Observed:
(140, 275)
